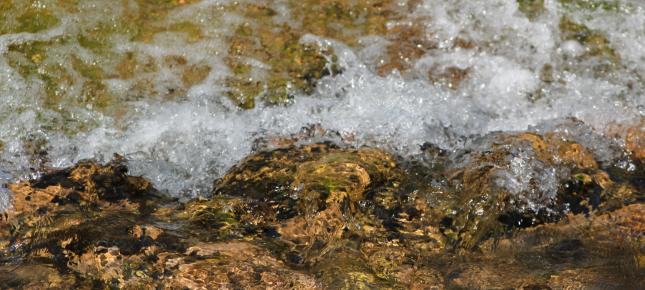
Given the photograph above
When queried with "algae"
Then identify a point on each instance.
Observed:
(36, 19)
(531, 8)
(318, 216)
(597, 44)
(612, 5)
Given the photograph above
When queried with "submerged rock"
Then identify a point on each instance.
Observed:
(311, 196)
(521, 180)
(635, 141)
(537, 211)
(531, 8)
(94, 226)
(76, 219)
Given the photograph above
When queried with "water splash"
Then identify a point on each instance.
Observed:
(521, 73)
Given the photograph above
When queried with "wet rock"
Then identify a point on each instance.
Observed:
(78, 219)
(75, 197)
(576, 252)
(531, 8)
(36, 276)
(450, 77)
(93, 225)
(312, 196)
(520, 180)
(635, 141)
(232, 265)
(409, 41)
(607, 5)
(346, 269)
(325, 216)
(292, 67)
(269, 61)
(596, 44)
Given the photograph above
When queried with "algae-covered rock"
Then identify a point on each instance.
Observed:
(288, 66)
(310, 196)
(607, 5)
(269, 61)
(325, 216)
(576, 252)
(77, 219)
(231, 265)
(520, 180)
(635, 141)
(34, 20)
(596, 44)
(531, 8)
(92, 225)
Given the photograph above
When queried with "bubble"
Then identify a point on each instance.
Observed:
(489, 74)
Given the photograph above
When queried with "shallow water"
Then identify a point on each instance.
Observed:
(503, 143)
(148, 79)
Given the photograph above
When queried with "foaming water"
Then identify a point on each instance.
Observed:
(185, 143)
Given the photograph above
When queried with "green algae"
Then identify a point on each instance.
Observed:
(531, 8)
(97, 39)
(5, 7)
(32, 61)
(596, 43)
(193, 31)
(91, 71)
(29, 56)
(612, 5)
(289, 67)
(346, 20)
(72, 71)
(69, 83)
(36, 19)
(146, 20)
(293, 67)
(96, 225)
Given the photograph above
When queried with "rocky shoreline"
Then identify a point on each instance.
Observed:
(323, 215)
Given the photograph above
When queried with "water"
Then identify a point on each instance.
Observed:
(147, 80)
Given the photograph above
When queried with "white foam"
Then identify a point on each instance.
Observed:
(184, 145)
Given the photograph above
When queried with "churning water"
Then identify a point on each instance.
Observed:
(69, 92)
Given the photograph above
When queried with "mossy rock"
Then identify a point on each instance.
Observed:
(486, 205)
(36, 19)
(325, 216)
(531, 8)
(596, 43)
(325, 170)
(292, 67)
(309, 194)
(607, 5)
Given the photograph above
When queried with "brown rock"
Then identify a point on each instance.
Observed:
(635, 141)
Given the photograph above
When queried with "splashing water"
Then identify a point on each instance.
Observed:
(85, 85)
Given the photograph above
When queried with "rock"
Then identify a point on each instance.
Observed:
(94, 225)
(409, 41)
(324, 216)
(531, 8)
(596, 44)
(310, 196)
(576, 252)
(233, 265)
(83, 198)
(520, 180)
(635, 141)
(78, 219)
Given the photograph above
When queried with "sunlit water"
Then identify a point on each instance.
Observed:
(183, 135)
